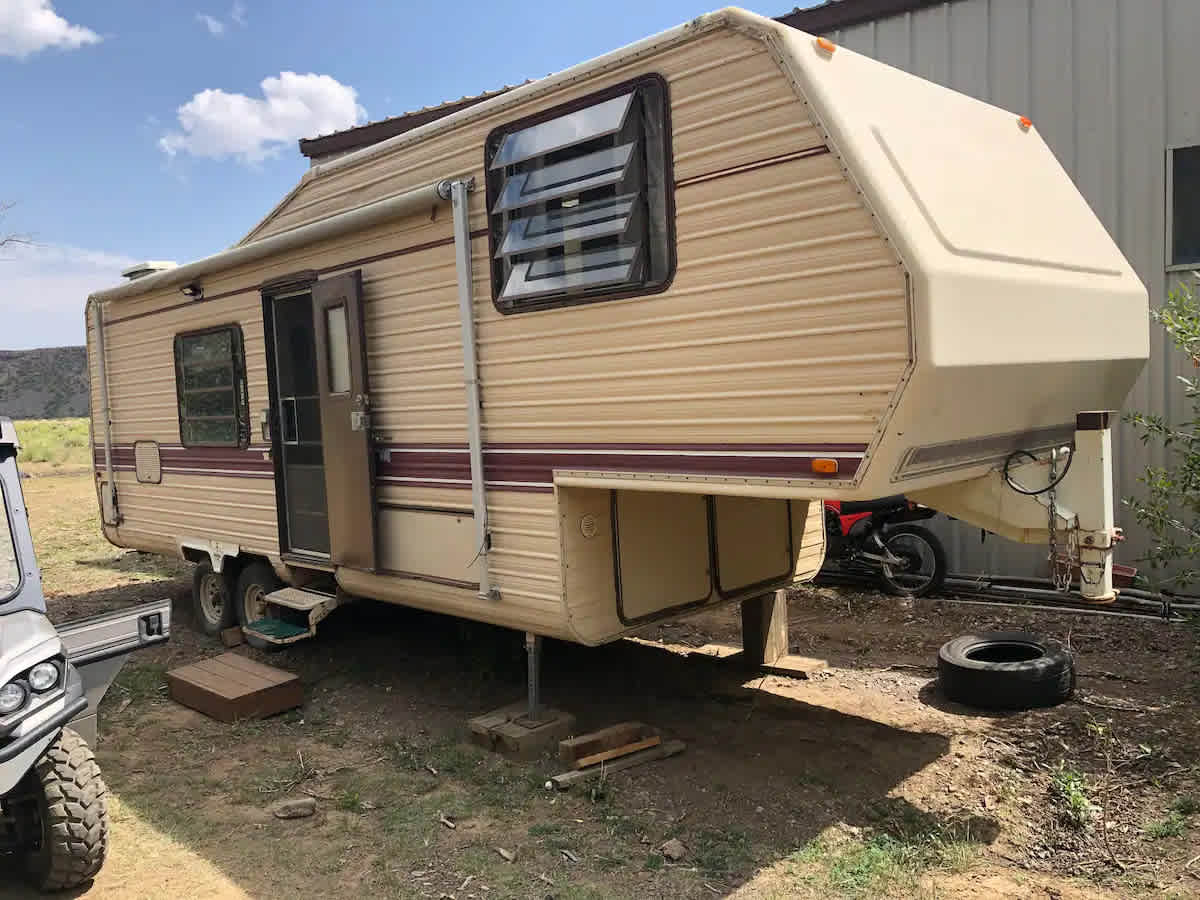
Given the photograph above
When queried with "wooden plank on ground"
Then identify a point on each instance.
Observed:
(583, 762)
(662, 751)
(572, 749)
(231, 687)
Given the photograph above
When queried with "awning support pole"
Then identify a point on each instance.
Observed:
(459, 191)
(96, 307)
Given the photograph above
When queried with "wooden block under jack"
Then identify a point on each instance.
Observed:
(510, 732)
(230, 687)
(232, 637)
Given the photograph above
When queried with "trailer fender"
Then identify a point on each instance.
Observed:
(194, 549)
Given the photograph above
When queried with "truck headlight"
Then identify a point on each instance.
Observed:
(43, 676)
(12, 698)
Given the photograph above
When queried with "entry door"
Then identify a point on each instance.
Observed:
(298, 435)
(345, 419)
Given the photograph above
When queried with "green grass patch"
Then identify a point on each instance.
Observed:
(1069, 790)
(142, 681)
(1185, 805)
(721, 852)
(1172, 826)
(881, 865)
(56, 443)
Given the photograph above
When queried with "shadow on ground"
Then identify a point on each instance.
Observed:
(388, 693)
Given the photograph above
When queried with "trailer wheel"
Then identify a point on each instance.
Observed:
(256, 581)
(1005, 670)
(69, 816)
(211, 603)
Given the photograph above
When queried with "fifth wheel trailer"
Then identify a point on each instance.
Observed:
(593, 351)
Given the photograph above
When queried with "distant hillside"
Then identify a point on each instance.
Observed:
(51, 383)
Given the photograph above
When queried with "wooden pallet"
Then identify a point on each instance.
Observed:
(231, 687)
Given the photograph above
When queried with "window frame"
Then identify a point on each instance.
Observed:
(241, 415)
(12, 537)
(1169, 203)
(620, 292)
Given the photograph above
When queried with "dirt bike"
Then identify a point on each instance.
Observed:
(53, 802)
(876, 537)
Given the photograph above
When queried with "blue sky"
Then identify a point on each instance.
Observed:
(133, 130)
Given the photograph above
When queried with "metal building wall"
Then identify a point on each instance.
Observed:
(1110, 84)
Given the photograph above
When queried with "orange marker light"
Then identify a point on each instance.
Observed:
(1025, 122)
(825, 466)
(827, 45)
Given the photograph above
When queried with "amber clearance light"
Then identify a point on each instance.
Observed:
(827, 45)
(825, 466)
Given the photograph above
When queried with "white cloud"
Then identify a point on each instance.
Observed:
(43, 289)
(238, 14)
(215, 26)
(217, 124)
(27, 26)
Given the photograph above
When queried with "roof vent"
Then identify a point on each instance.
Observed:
(149, 267)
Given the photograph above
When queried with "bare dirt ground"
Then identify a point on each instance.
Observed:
(860, 782)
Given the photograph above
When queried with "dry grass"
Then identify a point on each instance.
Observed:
(54, 445)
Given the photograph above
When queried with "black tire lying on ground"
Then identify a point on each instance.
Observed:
(1005, 670)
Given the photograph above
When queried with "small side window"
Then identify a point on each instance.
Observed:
(1184, 231)
(579, 200)
(210, 380)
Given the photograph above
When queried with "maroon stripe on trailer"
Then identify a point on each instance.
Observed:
(539, 467)
(532, 466)
(248, 462)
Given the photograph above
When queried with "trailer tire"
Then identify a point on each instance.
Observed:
(256, 580)
(1005, 670)
(212, 605)
(72, 807)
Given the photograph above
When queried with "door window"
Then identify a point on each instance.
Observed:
(336, 333)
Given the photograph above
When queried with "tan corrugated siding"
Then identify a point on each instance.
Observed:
(236, 510)
(786, 322)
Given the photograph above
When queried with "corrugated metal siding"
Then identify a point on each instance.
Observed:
(1110, 84)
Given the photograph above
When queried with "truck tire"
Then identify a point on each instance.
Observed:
(1005, 670)
(256, 580)
(212, 606)
(72, 816)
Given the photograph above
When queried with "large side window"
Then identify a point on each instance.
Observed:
(210, 379)
(579, 200)
(1184, 232)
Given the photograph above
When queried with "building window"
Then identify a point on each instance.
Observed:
(210, 380)
(579, 201)
(1184, 231)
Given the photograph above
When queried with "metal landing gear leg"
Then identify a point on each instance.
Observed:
(533, 650)
(524, 730)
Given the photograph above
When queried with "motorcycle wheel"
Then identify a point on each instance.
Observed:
(925, 572)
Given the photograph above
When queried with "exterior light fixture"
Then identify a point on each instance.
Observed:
(192, 291)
